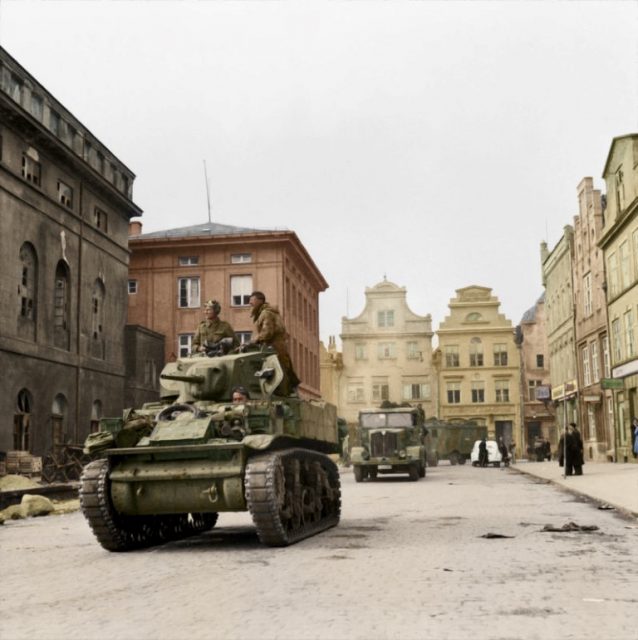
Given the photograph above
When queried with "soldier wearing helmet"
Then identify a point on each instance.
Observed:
(212, 329)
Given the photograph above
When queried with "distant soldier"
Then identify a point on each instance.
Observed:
(270, 331)
(240, 395)
(212, 329)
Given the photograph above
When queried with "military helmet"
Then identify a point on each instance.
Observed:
(214, 305)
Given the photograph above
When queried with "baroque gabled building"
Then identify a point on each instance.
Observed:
(590, 326)
(387, 354)
(619, 242)
(479, 366)
(174, 271)
(559, 308)
(65, 203)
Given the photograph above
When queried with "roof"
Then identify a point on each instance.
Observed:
(206, 229)
(611, 149)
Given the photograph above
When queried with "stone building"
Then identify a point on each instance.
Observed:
(387, 354)
(65, 203)
(619, 242)
(479, 366)
(559, 308)
(538, 410)
(331, 370)
(590, 315)
(173, 272)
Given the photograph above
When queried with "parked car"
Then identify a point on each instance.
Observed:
(493, 454)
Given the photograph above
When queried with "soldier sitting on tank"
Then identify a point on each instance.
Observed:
(240, 395)
(270, 331)
(212, 329)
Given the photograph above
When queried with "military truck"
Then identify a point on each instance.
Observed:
(166, 470)
(389, 441)
(453, 441)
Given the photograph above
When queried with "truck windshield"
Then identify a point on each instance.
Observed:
(377, 420)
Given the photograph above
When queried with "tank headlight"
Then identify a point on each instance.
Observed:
(403, 453)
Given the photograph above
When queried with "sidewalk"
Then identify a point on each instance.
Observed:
(611, 483)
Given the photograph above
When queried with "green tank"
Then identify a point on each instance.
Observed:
(389, 441)
(165, 471)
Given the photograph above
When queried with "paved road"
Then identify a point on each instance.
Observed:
(407, 560)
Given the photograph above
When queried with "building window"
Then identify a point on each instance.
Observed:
(385, 318)
(416, 391)
(629, 333)
(132, 286)
(595, 367)
(240, 289)
(31, 169)
(100, 219)
(37, 106)
(502, 390)
(540, 360)
(244, 337)
(54, 122)
(586, 370)
(15, 88)
(587, 300)
(241, 258)
(453, 392)
(188, 292)
(616, 343)
(625, 265)
(452, 355)
(476, 353)
(478, 391)
(606, 359)
(184, 344)
(28, 281)
(360, 351)
(532, 385)
(412, 351)
(97, 306)
(620, 190)
(96, 414)
(355, 392)
(380, 391)
(500, 355)
(635, 237)
(612, 274)
(65, 194)
(386, 350)
(188, 261)
(61, 294)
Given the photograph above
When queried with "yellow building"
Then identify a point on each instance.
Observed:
(479, 365)
(387, 355)
(619, 242)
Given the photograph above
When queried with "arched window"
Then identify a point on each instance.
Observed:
(27, 291)
(476, 352)
(97, 319)
(61, 293)
(58, 419)
(21, 421)
(473, 317)
(96, 414)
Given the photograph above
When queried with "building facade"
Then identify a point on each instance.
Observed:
(561, 336)
(66, 204)
(331, 369)
(538, 410)
(479, 365)
(387, 355)
(619, 242)
(590, 326)
(173, 272)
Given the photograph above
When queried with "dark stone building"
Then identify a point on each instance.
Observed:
(65, 206)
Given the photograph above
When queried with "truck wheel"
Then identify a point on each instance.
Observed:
(461, 459)
(421, 469)
(358, 473)
(454, 458)
(414, 472)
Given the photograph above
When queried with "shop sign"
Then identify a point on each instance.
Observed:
(612, 383)
(625, 370)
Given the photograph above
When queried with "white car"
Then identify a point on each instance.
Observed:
(493, 454)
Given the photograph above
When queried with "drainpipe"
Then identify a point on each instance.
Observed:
(78, 357)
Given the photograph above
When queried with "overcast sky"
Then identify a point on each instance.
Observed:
(436, 143)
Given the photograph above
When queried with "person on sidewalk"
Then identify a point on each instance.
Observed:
(578, 458)
(483, 458)
(634, 435)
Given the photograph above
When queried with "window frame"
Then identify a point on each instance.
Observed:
(242, 296)
(185, 292)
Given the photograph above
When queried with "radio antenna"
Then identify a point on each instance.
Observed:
(207, 191)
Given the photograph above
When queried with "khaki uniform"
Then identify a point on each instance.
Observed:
(270, 330)
(212, 331)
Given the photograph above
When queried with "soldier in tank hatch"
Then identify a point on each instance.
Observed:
(212, 329)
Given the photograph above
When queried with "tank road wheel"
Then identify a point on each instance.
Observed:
(359, 473)
(116, 532)
(413, 470)
(292, 494)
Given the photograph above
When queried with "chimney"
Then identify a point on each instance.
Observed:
(134, 228)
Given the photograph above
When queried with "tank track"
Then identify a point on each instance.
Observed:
(117, 532)
(292, 494)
